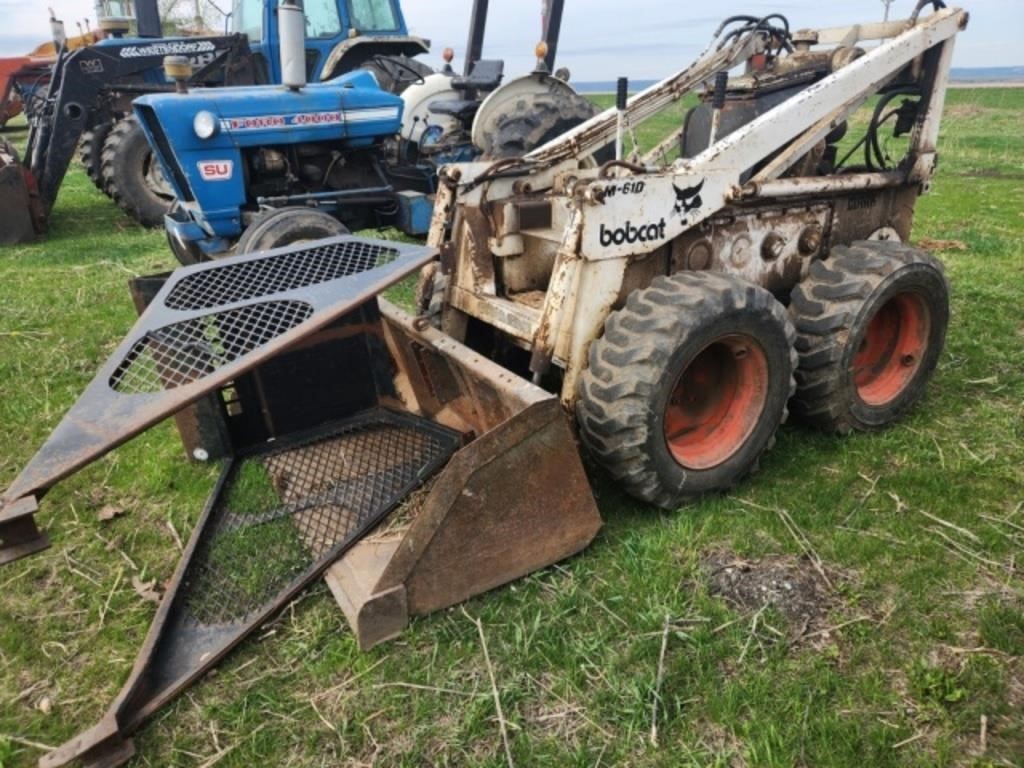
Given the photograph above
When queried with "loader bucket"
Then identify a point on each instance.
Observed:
(16, 222)
(336, 407)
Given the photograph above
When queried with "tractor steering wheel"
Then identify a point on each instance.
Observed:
(384, 62)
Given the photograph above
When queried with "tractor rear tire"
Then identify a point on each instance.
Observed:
(288, 226)
(546, 119)
(871, 325)
(132, 175)
(688, 386)
(90, 152)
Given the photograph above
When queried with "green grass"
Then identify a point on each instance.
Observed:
(252, 491)
(935, 639)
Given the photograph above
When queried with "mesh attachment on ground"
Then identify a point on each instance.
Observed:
(282, 511)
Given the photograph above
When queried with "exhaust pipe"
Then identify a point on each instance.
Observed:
(292, 23)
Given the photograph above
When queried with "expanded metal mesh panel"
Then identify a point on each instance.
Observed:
(275, 274)
(180, 353)
(282, 513)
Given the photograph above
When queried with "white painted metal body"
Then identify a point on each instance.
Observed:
(418, 97)
(552, 289)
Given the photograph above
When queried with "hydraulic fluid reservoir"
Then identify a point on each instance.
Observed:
(292, 24)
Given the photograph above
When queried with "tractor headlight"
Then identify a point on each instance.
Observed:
(205, 125)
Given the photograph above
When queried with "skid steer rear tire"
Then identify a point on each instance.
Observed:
(688, 386)
(90, 153)
(132, 177)
(288, 226)
(871, 324)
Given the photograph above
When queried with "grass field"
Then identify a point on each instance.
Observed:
(912, 654)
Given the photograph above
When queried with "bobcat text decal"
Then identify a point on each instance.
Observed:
(628, 234)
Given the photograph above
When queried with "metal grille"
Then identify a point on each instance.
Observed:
(289, 510)
(256, 278)
(178, 354)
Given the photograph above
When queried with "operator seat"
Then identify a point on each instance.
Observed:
(485, 76)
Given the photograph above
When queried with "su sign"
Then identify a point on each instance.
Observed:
(216, 170)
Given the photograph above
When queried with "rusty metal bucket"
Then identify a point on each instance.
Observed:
(16, 201)
(334, 408)
(513, 500)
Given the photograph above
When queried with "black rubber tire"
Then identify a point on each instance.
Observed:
(633, 371)
(286, 226)
(546, 119)
(90, 153)
(127, 158)
(832, 310)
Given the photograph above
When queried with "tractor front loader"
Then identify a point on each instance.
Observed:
(670, 311)
(89, 91)
(87, 105)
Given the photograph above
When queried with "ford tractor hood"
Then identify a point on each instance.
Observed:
(352, 107)
(200, 137)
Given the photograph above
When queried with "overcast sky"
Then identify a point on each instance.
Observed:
(603, 39)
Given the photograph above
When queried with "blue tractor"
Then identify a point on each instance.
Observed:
(88, 102)
(340, 35)
(263, 167)
(309, 158)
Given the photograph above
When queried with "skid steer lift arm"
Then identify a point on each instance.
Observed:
(743, 166)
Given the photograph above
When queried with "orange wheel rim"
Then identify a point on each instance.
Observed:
(891, 351)
(716, 402)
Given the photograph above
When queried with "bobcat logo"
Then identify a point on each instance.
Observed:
(688, 199)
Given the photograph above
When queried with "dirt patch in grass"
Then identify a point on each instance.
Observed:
(790, 586)
(967, 111)
(930, 244)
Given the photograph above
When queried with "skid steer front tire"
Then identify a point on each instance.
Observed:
(132, 176)
(871, 324)
(687, 387)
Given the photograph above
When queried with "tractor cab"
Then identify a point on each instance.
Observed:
(340, 34)
(115, 17)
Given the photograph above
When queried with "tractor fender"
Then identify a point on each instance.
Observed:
(351, 53)
(418, 98)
